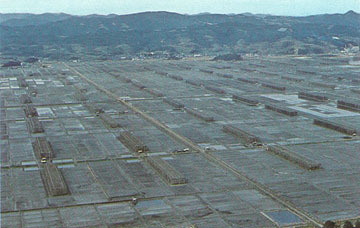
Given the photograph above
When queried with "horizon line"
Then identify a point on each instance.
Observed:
(164, 11)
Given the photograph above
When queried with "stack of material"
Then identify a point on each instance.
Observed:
(32, 91)
(138, 84)
(248, 138)
(348, 105)
(43, 149)
(324, 85)
(161, 73)
(192, 82)
(174, 103)
(80, 96)
(257, 65)
(4, 130)
(199, 114)
(94, 108)
(335, 126)
(32, 74)
(206, 71)
(30, 111)
(247, 80)
(246, 100)
(25, 99)
(312, 96)
(109, 120)
(267, 73)
(327, 77)
(221, 67)
(355, 91)
(22, 82)
(53, 180)
(35, 125)
(293, 79)
(166, 171)
(2, 107)
(81, 88)
(273, 86)
(247, 69)
(69, 81)
(214, 89)
(176, 77)
(281, 109)
(224, 75)
(126, 80)
(148, 68)
(294, 158)
(154, 92)
(309, 72)
(132, 142)
(185, 67)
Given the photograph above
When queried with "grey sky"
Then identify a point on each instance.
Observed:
(277, 7)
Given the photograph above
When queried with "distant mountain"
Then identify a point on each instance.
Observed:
(10, 16)
(165, 33)
(350, 18)
(14, 20)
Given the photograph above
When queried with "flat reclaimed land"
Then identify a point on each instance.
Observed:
(261, 142)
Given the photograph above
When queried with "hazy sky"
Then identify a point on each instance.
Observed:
(277, 7)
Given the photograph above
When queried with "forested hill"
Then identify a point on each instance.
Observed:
(54, 35)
